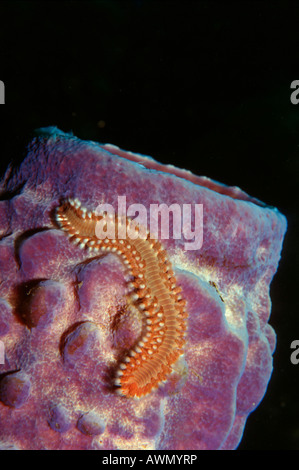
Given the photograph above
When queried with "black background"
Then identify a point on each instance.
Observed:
(202, 85)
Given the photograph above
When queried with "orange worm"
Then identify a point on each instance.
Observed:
(156, 294)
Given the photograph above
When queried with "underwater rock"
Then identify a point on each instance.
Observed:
(68, 318)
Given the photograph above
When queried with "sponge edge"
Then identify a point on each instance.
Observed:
(73, 345)
(51, 131)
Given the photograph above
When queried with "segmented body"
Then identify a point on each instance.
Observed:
(155, 292)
